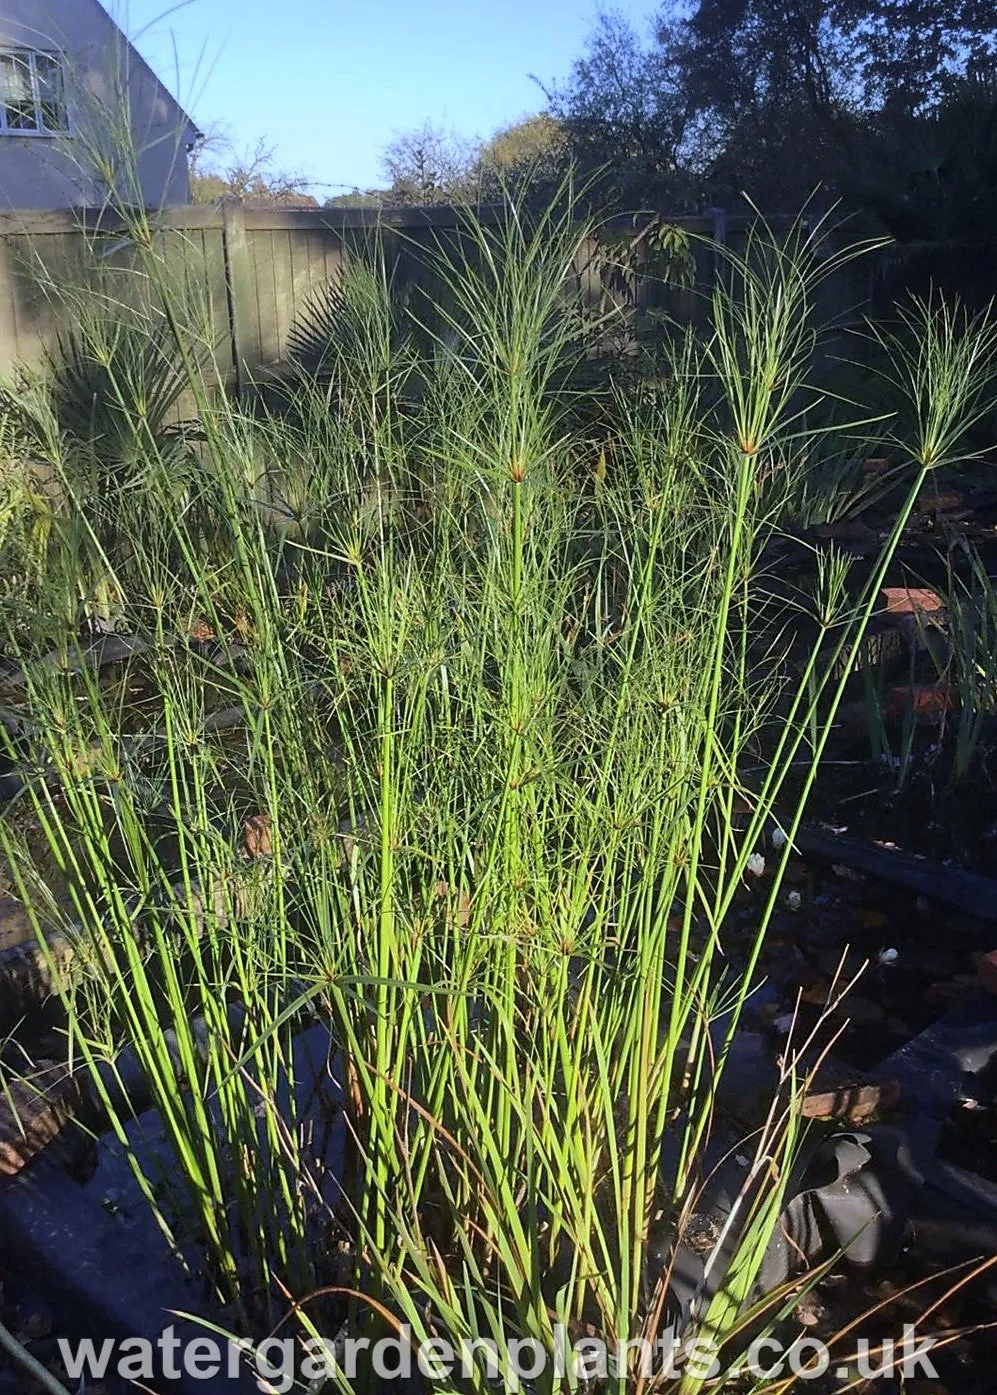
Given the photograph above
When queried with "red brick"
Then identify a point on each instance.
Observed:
(924, 700)
(912, 600)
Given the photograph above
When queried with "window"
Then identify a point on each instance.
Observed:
(32, 94)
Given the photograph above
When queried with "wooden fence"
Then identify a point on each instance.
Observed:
(255, 270)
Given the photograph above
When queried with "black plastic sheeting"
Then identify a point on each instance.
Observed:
(855, 1192)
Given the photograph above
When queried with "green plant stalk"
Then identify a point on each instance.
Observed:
(872, 593)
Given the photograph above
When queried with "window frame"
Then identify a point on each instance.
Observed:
(39, 131)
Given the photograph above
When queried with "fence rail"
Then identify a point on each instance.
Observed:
(256, 269)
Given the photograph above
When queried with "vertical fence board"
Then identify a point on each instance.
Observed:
(300, 273)
(261, 252)
(241, 288)
(8, 305)
(282, 273)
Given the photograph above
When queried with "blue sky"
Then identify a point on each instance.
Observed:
(330, 82)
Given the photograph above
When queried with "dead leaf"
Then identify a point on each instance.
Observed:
(33, 1111)
(258, 835)
(870, 919)
(201, 632)
(816, 993)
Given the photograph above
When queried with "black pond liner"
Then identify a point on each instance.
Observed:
(94, 1250)
(99, 1283)
(857, 1192)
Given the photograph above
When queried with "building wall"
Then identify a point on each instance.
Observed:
(113, 99)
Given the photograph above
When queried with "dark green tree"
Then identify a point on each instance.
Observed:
(930, 181)
(911, 50)
(772, 97)
(627, 112)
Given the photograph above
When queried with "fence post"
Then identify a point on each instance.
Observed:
(239, 285)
